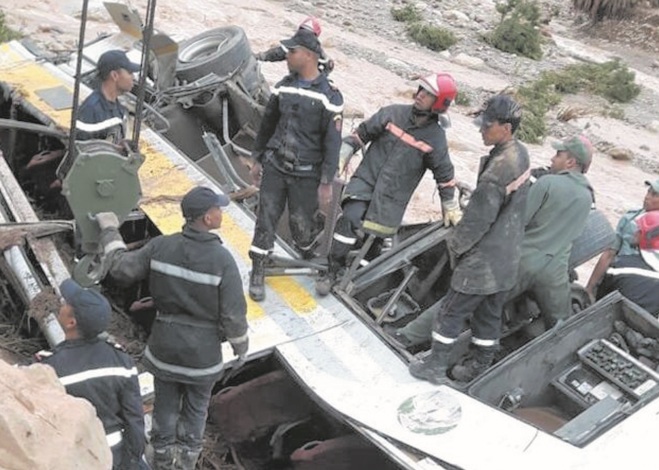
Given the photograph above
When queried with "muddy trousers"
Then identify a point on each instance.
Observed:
(301, 194)
(179, 416)
(485, 313)
(546, 280)
(346, 236)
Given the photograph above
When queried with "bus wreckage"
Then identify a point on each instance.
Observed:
(324, 385)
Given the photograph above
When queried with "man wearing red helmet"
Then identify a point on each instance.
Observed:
(625, 237)
(636, 276)
(403, 142)
(278, 53)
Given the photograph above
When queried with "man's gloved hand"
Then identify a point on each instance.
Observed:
(240, 349)
(451, 212)
(345, 154)
(260, 56)
(324, 198)
(107, 220)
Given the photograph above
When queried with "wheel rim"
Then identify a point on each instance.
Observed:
(202, 49)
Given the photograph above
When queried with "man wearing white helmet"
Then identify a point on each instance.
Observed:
(403, 142)
(278, 53)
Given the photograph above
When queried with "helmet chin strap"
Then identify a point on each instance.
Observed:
(416, 112)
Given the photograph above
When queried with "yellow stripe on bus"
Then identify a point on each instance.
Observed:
(163, 186)
(163, 183)
(28, 77)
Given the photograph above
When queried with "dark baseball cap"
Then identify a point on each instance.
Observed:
(579, 147)
(90, 308)
(303, 38)
(501, 108)
(199, 200)
(115, 60)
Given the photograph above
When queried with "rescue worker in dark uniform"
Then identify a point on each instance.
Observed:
(557, 206)
(485, 247)
(405, 141)
(297, 152)
(636, 276)
(101, 115)
(625, 243)
(197, 290)
(99, 372)
(278, 53)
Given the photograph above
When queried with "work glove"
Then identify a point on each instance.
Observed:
(240, 349)
(451, 212)
(107, 220)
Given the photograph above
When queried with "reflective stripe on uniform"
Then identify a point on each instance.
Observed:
(97, 373)
(114, 245)
(98, 126)
(633, 271)
(517, 183)
(442, 339)
(238, 339)
(187, 371)
(113, 438)
(484, 342)
(378, 228)
(408, 138)
(259, 251)
(343, 239)
(186, 274)
(310, 94)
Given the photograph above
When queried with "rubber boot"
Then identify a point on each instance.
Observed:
(433, 368)
(257, 278)
(477, 362)
(188, 459)
(165, 458)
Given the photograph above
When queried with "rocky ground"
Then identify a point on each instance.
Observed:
(375, 62)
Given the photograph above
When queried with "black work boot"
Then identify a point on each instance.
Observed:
(165, 458)
(402, 340)
(479, 359)
(433, 367)
(257, 279)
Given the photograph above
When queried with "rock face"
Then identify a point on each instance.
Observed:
(41, 427)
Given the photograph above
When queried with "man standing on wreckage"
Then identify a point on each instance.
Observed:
(403, 142)
(485, 247)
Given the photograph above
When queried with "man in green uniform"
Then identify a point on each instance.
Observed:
(556, 211)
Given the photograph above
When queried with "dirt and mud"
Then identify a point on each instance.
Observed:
(375, 62)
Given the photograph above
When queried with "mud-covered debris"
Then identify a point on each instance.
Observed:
(9, 238)
(44, 303)
(127, 334)
(15, 234)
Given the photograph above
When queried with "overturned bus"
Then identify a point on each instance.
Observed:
(324, 386)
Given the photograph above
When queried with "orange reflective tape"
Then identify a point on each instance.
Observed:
(408, 139)
(516, 184)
